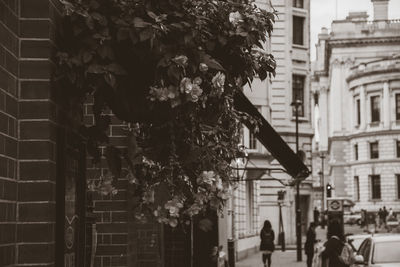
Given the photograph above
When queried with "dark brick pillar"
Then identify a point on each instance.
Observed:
(37, 135)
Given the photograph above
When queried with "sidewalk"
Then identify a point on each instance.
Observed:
(279, 258)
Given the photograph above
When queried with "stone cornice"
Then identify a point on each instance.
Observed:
(364, 162)
(364, 134)
(361, 41)
(372, 72)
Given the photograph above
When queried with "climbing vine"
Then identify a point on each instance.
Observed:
(170, 70)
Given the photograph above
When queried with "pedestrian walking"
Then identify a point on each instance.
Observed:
(309, 245)
(385, 215)
(333, 255)
(316, 216)
(267, 245)
(380, 215)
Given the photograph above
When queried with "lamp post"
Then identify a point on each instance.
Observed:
(322, 156)
(296, 105)
(281, 236)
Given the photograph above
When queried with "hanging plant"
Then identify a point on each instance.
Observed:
(169, 68)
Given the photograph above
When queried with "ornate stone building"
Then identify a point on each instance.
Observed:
(356, 82)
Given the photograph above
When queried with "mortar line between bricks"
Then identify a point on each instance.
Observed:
(7, 93)
(37, 202)
(8, 115)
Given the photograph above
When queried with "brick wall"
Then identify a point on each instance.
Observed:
(37, 135)
(8, 131)
(29, 179)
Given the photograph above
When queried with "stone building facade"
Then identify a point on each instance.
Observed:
(290, 45)
(256, 201)
(356, 81)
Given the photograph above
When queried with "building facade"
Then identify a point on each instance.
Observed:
(290, 45)
(257, 201)
(356, 82)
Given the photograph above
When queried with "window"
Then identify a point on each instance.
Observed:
(374, 150)
(298, 93)
(298, 30)
(249, 204)
(356, 188)
(252, 138)
(375, 109)
(376, 186)
(252, 141)
(356, 151)
(358, 110)
(298, 3)
(398, 185)
(397, 107)
(398, 148)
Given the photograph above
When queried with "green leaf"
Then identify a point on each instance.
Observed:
(140, 23)
(116, 69)
(146, 34)
(110, 79)
(95, 68)
(211, 62)
(87, 56)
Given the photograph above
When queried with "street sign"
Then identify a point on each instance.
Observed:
(335, 205)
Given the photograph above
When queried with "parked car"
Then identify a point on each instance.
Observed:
(356, 240)
(379, 251)
(352, 218)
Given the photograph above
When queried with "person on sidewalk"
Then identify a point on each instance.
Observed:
(334, 246)
(267, 245)
(316, 216)
(309, 245)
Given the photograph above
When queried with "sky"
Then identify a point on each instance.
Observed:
(324, 11)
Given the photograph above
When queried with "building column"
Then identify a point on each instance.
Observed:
(386, 105)
(363, 108)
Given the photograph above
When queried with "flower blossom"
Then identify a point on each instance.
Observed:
(203, 67)
(218, 81)
(186, 85)
(207, 177)
(235, 18)
(173, 206)
(181, 60)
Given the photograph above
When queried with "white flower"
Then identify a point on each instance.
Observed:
(207, 177)
(218, 80)
(235, 18)
(203, 67)
(186, 85)
(180, 60)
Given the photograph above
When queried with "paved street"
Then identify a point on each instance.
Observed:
(288, 258)
(279, 258)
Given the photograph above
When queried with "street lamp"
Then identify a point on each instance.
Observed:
(281, 235)
(296, 105)
(322, 156)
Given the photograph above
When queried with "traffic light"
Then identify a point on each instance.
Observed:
(328, 190)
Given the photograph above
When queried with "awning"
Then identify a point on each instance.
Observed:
(271, 140)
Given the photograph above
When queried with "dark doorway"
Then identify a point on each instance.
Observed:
(304, 207)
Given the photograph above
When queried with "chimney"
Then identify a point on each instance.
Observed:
(380, 9)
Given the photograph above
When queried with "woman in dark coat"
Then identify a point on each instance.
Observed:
(309, 245)
(334, 245)
(267, 245)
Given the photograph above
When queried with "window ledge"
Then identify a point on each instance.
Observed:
(298, 46)
(374, 124)
(301, 119)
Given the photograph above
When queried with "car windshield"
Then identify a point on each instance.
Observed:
(357, 242)
(386, 252)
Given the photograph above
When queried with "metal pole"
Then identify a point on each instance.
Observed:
(298, 211)
(323, 190)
